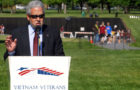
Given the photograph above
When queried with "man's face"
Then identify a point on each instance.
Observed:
(108, 24)
(103, 24)
(36, 18)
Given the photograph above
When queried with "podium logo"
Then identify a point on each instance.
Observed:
(40, 71)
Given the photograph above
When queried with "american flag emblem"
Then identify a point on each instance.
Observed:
(42, 71)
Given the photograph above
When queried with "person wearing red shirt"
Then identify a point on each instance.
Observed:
(102, 32)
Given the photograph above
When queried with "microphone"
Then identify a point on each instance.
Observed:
(37, 29)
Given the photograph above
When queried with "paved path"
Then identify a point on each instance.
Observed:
(118, 46)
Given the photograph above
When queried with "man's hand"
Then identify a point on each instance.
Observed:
(10, 44)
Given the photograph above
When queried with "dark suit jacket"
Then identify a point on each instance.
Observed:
(52, 43)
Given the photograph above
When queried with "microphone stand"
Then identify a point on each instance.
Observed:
(37, 29)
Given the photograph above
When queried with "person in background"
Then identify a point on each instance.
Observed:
(61, 31)
(118, 36)
(35, 39)
(128, 35)
(96, 32)
(91, 15)
(102, 32)
(2, 29)
(108, 30)
(114, 32)
(122, 35)
(83, 13)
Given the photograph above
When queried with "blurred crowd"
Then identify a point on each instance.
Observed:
(107, 34)
(2, 29)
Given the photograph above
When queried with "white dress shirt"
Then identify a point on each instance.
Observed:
(31, 38)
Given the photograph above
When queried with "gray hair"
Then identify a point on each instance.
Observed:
(32, 4)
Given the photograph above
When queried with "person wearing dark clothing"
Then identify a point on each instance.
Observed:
(22, 41)
(96, 32)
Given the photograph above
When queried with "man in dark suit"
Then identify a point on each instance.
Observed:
(21, 42)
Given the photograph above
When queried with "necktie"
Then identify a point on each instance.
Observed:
(35, 48)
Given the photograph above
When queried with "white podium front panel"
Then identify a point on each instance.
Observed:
(39, 72)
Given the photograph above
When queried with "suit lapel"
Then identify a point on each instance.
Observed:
(26, 43)
(45, 39)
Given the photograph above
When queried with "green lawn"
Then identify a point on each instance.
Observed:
(73, 13)
(3, 37)
(102, 69)
(93, 68)
(133, 25)
(49, 13)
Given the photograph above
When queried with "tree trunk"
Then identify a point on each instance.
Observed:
(101, 7)
(81, 5)
(1, 10)
(87, 8)
(118, 8)
(129, 9)
(72, 5)
(59, 8)
(108, 7)
(125, 10)
(65, 8)
(13, 9)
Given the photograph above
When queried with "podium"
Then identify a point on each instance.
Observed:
(39, 72)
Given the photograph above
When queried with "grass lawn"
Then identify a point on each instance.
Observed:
(3, 37)
(93, 68)
(133, 25)
(72, 13)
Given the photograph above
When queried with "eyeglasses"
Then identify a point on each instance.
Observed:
(35, 16)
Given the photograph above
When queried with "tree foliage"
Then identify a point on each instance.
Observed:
(125, 4)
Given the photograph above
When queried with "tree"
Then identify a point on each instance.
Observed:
(1, 8)
(54, 2)
(134, 4)
(25, 2)
(58, 3)
(65, 2)
(9, 4)
(123, 3)
(101, 2)
(108, 3)
(93, 3)
(81, 2)
(137, 3)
